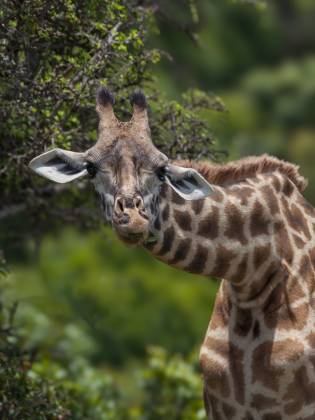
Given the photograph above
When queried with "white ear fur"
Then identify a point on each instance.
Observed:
(188, 183)
(59, 165)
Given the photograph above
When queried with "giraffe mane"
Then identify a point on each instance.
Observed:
(233, 172)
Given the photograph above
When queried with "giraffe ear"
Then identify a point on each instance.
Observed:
(59, 165)
(187, 182)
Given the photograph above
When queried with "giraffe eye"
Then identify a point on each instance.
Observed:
(91, 169)
(160, 173)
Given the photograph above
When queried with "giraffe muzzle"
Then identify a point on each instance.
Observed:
(130, 220)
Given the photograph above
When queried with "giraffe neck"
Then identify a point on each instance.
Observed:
(240, 233)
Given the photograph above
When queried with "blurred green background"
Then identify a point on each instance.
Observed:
(117, 332)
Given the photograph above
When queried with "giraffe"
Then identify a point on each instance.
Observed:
(245, 223)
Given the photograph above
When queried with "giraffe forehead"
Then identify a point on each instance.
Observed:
(125, 154)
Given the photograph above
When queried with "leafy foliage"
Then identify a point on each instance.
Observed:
(166, 378)
(80, 273)
(44, 389)
(39, 387)
(274, 112)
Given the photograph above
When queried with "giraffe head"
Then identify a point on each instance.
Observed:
(126, 169)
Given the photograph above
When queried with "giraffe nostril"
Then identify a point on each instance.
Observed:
(119, 205)
(124, 205)
(143, 214)
(138, 203)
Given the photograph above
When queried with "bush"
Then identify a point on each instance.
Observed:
(46, 390)
(33, 386)
(76, 302)
(172, 388)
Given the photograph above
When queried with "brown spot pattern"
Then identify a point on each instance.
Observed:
(270, 199)
(261, 254)
(295, 218)
(163, 191)
(223, 261)
(287, 351)
(236, 361)
(215, 404)
(248, 416)
(235, 224)
(157, 223)
(311, 340)
(276, 183)
(263, 371)
(243, 322)
(298, 241)
(300, 392)
(209, 226)
(293, 291)
(216, 376)
(181, 251)
(228, 410)
(286, 319)
(168, 239)
(258, 224)
(307, 273)
(199, 260)
(166, 213)
(183, 219)
(305, 267)
(243, 194)
(288, 187)
(197, 206)
(256, 330)
(260, 402)
(312, 256)
(273, 416)
(283, 244)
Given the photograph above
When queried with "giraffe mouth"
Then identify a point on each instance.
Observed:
(132, 229)
(131, 238)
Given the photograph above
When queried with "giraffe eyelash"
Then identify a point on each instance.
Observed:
(91, 169)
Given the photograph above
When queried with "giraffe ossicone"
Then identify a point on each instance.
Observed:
(245, 222)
